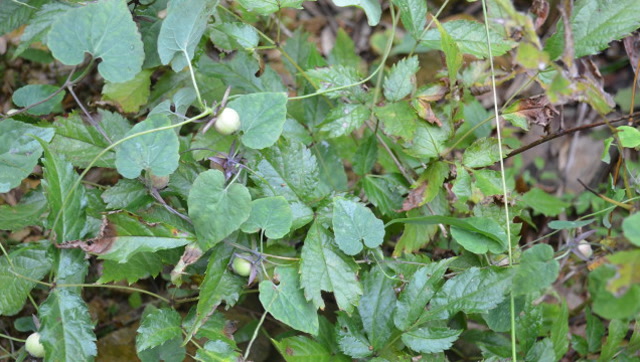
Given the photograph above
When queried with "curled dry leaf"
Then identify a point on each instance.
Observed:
(191, 254)
(632, 47)
(415, 198)
(101, 244)
(537, 110)
(540, 8)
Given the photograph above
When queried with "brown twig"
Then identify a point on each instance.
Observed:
(572, 130)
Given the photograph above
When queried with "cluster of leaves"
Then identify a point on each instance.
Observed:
(357, 182)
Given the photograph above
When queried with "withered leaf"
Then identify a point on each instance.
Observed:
(101, 244)
(537, 110)
(425, 112)
(415, 198)
(540, 8)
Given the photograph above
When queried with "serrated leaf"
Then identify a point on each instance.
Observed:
(218, 351)
(19, 151)
(142, 266)
(303, 53)
(156, 151)
(217, 209)
(104, 29)
(16, 13)
(483, 152)
(182, 29)
(300, 348)
(132, 94)
(270, 214)
(171, 350)
(353, 224)
(350, 336)
(479, 243)
(559, 331)
(344, 51)
(428, 141)
(594, 24)
(366, 156)
(262, 117)
(401, 79)
(544, 203)
(473, 291)
(385, 192)
(125, 193)
(431, 339)
(377, 300)
(344, 119)
(234, 36)
(34, 93)
(240, 72)
(67, 205)
(471, 38)
(413, 14)
(324, 267)
(29, 261)
(25, 213)
(399, 119)
(538, 269)
(338, 76)
(66, 331)
(286, 302)
(157, 326)
(422, 286)
(452, 54)
(266, 7)
(371, 8)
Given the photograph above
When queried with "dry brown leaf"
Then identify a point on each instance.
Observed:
(415, 197)
(98, 245)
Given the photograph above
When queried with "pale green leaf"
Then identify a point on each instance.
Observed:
(479, 243)
(538, 269)
(350, 336)
(422, 286)
(617, 331)
(182, 29)
(157, 327)
(544, 203)
(344, 51)
(34, 93)
(594, 24)
(413, 14)
(430, 339)
(353, 223)
(453, 56)
(234, 36)
(67, 330)
(471, 38)
(27, 212)
(629, 136)
(15, 13)
(217, 209)
(240, 72)
(302, 349)
(142, 266)
(219, 351)
(428, 141)
(378, 299)
(371, 8)
(324, 267)
(338, 76)
(132, 94)
(286, 302)
(67, 205)
(156, 151)
(125, 193)
(270, 214)
(104, 29)
(266, 7)
(39, 25)
(399, 119)
(385, 192)
(560, 331)
(30, 261)
(366, 156)
(564, 224)
(401, 79)
(483, 152)
(19, 151)
(262, 117)
(631, 228)
(344, 119)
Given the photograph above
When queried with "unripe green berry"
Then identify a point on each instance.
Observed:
(241, 266)
(33, 345)
(228, 121)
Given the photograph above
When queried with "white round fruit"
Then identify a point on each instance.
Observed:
(228, 121)
(241, 266)
(33, 345)
(585, 249)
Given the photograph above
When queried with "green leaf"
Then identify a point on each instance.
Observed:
(19, 151)
(559, 332)
(324, 267)
(34, 93)
(66, 330)
(240, 72)
(413, 14)
(452, 54)
(617, 331)
(473, 291)
(378, 300)
(541, 351)
(266, 7)
(344, 119)
(471, 38)
(428, 141)
(67, 205)
(286, 302)
(615, 285)
(338, 76)
(594, 24)
(385, 192)
(544, 203)
(371, 8)
(350, 336)
(565, 225)
(422, 286)
(234, 36)
(479, 243)
(104, 29)
(16, 13)
(366, 156)
(483, 152)
(157, 327)
(156, 151)
(537, 270)
(303, 52)
(399, 119)
(331, 168)
(125, 193)
(300, 348)
(434, 176)
(30, 261)
(401, 79)
(629, 136)
(430, 339)
(145, 264)
(218, 351)
(132, 94)
(171, 350)
(262, 117)
(215, 209)
(631, 228)
(353, 223)
(182, 29)
(344, 51)
(270, 214)
(25, 213)
(489, 182)
(453, 221)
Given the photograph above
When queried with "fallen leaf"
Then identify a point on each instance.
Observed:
(415, 197)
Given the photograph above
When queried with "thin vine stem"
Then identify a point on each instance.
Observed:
(505, 193)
